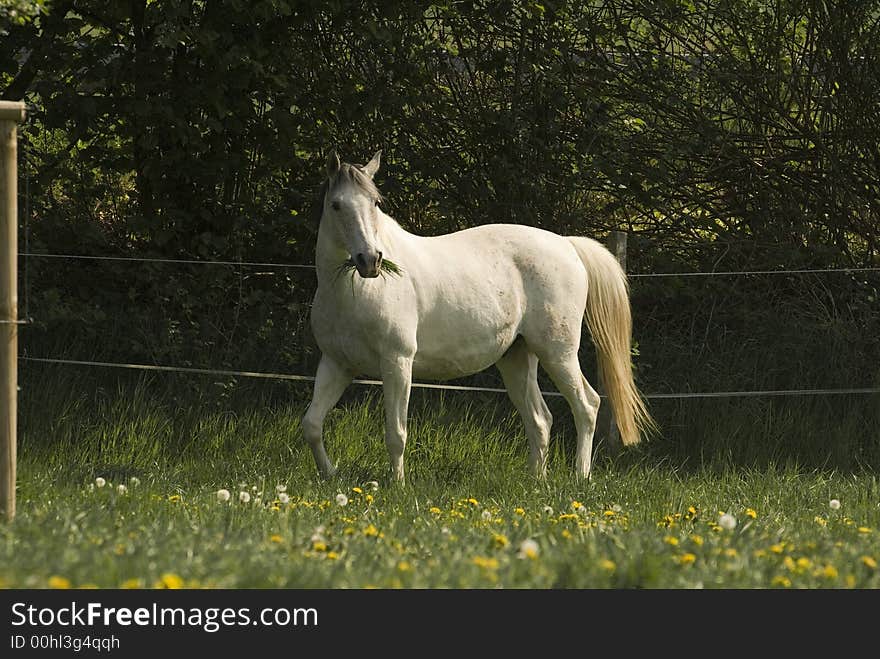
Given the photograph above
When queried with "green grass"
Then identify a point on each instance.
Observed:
(645, 520)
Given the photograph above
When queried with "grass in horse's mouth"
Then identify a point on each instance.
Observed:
(386, 267)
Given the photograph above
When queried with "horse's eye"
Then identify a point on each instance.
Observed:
(335, 205)
(377, 202)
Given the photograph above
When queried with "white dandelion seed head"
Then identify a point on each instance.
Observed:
(548, 510)
(280, 488)
(244, 497)
(284, 498)
(617, 508)
(445, 530)
(253, 488)
(100, 482)
(121, 488)
(486, 515)
(727, 522)
(528, 548)
(373, 485)
(341, 499)
(258, 501)
(223, 495)
(134, 481)
(834, 504)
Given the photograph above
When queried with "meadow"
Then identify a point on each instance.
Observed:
(132, 484)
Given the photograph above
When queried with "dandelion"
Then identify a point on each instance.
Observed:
(403, 566)
(373, 485)
(130, 584)
(275, 538)
(434, 510)
(341, 499)
(134, 481)
(834, 504)
(446, 530)
(58, 583)
(174, 498)
(319, 545)
(727, 522)
(864, 529)
(576, 504)
(371, 531)
(829, 572)
(473, 502)
(781, 581)
(332, 555)
(486, 515)
(100, 482)
(485, 562)
(730, 552)
(697, 540)
(357, 490)
(170, 581)
(777, 548)
(121, 489)
(222, 495)
(548, 510)
(280, 488)
(499, 540)
(253, 488)
(519, 511)
(528, 549)
(244, 497)
(687, 559)
(671, 540)
(368, 498)
(750, 512)
(869, 562)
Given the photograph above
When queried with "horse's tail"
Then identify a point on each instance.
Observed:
(609, 320)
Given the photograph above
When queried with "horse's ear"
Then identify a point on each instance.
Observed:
(373, 166)
(332, 163)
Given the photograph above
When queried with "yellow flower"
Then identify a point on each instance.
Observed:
(670, 540)
(730, 552)
(519, 511)
(332, 555)
(368, 498)
(566, 533)
(499, 540)
(371, 531)
(697, 540)
(174, 498)
(851, 580)
(59, 583)
(609, 513)
(473, 502)
(750, 512)
(788, 562)
(485, 562)
(803, 563)
(777, 548)
(829, 572)
(434, 510)
(575, 505)
(869, 561)
(821, 521)
(567, 516)
(759, 553)
(864, 529)
(357, 490)
(170, 581)
(608, 565)
(686, 559)
(131, 584)
(275, 538)
(319, 545)
(780, 580)
(403, 566)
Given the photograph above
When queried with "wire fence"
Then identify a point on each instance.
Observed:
(425, 385)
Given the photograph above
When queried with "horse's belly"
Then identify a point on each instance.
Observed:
(446, 355)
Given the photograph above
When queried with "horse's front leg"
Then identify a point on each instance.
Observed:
(330, 381)
(396, 383)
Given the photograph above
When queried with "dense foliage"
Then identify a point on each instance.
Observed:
(733, 135)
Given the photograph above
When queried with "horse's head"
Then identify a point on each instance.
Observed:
(351, 212)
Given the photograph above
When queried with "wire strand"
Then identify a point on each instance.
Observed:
(308, 266)
(450, 387)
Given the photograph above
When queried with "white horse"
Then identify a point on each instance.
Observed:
(510, 295)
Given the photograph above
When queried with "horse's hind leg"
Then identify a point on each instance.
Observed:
(584, 403)
(330, 381)
(519, 369)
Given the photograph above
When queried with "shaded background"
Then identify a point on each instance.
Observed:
(721, 136)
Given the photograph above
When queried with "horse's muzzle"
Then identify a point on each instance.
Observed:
(368, 265)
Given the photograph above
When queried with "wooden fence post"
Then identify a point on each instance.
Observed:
(11, 113)
(606, 426)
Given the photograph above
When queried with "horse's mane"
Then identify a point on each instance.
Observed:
(352, 173)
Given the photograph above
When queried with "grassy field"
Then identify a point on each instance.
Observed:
(118, 488)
